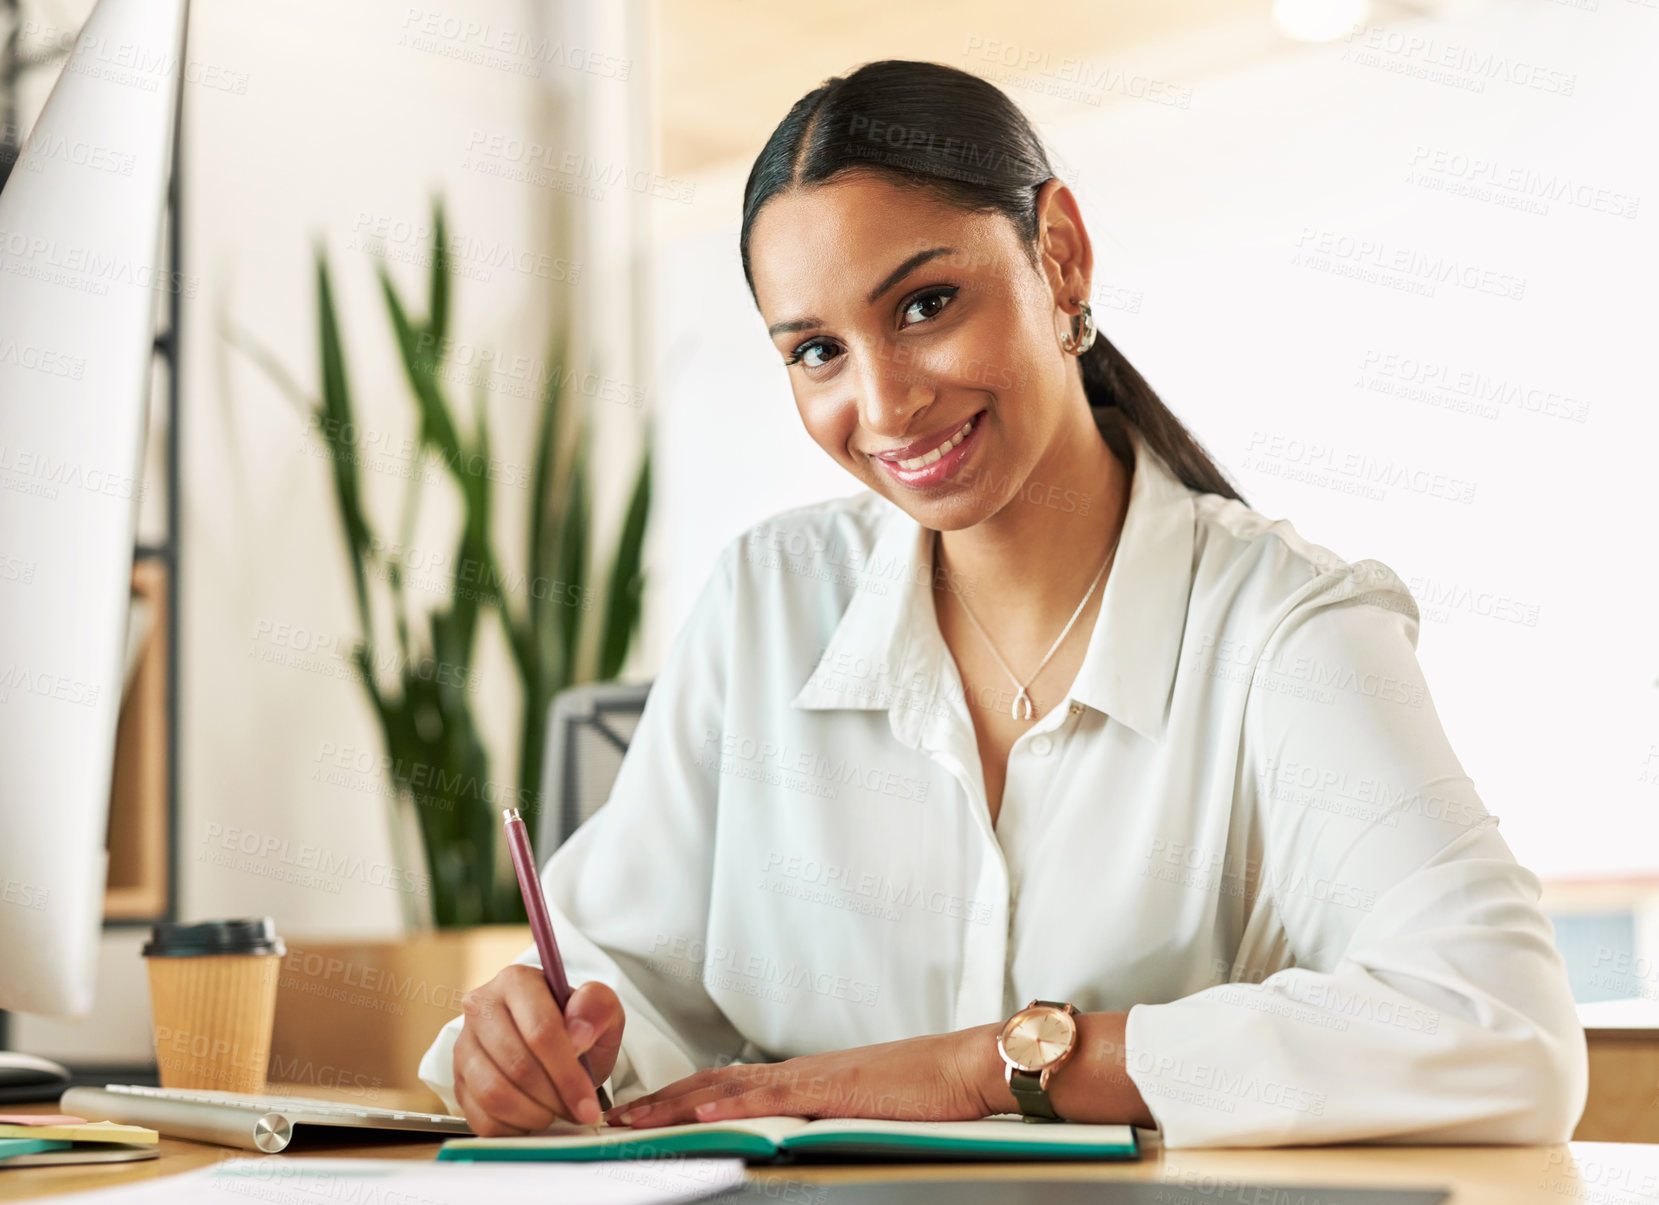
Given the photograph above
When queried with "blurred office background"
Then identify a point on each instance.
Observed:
(1350, 243)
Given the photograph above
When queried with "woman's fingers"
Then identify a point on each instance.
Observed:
(680, 1087)
(915, 1079)
(495, 1015)
(594, 1020)
(479, 1118)
(493, 1103)
(757, 1090)
(542, 1031)
(519, 1059)
(719, 1104)
(723, 1101)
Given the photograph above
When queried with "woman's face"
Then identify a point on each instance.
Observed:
(922, 344)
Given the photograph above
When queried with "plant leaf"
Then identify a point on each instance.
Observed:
(476, 580)
(334, 421)
(437, 310)
(568, 591)
(544, 501)
(437, 427)
(267, 363)
(627, 581)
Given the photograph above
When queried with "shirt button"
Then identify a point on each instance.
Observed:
(1041, 746)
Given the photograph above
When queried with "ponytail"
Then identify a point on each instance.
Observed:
(1118, 394)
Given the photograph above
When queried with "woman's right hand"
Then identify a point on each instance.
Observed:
(515, 1061)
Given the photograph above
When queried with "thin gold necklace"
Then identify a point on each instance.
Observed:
(1023, 708)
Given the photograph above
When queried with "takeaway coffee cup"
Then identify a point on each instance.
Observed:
(213, 994)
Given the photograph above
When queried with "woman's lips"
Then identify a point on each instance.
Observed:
(932, 465)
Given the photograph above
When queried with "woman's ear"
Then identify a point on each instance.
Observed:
(1066, 256)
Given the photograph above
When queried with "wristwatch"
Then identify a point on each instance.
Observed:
(1035, 1043)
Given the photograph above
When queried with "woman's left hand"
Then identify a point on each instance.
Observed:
(936, 1078)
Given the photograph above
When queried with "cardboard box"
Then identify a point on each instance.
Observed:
(354, 1017)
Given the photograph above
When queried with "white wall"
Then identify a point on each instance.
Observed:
(1198, 215)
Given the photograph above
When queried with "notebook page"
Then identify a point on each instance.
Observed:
(773, 1129)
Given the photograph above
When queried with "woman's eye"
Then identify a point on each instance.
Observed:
(814, 354)
(926, 306)
(923, 307)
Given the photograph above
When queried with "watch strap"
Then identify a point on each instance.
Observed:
(1031, 1096)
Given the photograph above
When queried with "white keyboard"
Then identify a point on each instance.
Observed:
(254, 1121)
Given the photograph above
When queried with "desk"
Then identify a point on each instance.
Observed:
(1586, 1173)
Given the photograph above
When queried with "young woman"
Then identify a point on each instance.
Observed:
(1042, 775)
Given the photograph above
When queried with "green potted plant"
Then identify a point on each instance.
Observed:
(570, 617)
(438, 760)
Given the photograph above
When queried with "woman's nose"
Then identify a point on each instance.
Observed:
(890, 393)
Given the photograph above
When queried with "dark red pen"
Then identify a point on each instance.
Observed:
(535, 907)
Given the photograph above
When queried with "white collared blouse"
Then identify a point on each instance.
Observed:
(1243, 824)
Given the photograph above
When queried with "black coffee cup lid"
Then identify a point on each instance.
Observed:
(254, 936)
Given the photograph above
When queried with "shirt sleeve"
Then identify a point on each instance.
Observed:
(628, 893)
(1416, 994)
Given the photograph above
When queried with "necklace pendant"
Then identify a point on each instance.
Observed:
(1023, 708)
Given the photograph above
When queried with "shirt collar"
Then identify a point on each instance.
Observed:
(877, 656)
(1129, 668)
(874, 657)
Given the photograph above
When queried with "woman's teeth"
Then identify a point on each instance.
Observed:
(927, 458)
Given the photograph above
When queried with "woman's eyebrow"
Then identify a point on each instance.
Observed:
(892, 278)
(904, 269)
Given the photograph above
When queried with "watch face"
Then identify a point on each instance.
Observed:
(1036, 1037)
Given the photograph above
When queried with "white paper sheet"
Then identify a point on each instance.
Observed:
(290, 1180)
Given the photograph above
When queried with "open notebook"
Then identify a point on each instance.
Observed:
(784, 1139)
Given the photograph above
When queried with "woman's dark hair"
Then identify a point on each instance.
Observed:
(959, 139)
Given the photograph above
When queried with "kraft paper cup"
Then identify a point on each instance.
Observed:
(213, 995)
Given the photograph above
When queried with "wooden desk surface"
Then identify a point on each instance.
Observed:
(1586, 1173)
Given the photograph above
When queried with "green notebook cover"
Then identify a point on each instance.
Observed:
(782, 1139)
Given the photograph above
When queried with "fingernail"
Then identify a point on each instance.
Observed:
(707, 1109)
(588, 1112)
(580, 1033)
(636, 1114)
(621, 1117)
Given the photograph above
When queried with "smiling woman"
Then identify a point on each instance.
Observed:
(1181, 841)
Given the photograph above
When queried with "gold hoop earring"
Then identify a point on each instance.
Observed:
(1082, 330)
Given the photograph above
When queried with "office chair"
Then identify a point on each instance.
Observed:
(588, 730)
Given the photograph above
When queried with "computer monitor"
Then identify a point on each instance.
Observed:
(80, 240)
